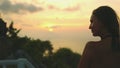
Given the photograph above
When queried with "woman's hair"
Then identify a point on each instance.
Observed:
(109, 18)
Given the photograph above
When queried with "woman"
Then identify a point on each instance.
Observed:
(106, 52)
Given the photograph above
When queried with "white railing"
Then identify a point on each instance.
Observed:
(21, 63)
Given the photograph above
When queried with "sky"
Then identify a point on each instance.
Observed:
(63, 22)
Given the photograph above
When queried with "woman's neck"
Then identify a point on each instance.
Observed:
(105, 36)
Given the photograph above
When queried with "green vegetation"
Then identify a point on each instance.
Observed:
(39, 53)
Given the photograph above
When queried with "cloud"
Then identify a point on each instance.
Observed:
(27, 25)
(51, 7)
(53, 27)
(6, 6)
(70, 8)
(73, 8)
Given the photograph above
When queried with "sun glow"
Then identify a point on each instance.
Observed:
(49, 26)
(50, 29)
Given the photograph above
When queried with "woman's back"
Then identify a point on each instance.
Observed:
(103, 56)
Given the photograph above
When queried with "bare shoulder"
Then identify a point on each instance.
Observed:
(89, 50)
(92, 44)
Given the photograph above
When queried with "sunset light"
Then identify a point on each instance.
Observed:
(49, 26)
(64, 22)
(50, 29)
(55, 33)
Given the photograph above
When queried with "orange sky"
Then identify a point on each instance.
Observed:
(63, 22)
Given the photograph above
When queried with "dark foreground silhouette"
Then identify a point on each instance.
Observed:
(39, 53)
(106, 52)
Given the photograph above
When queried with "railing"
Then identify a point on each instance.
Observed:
(21, 63)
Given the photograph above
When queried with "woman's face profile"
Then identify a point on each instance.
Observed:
(96, 26)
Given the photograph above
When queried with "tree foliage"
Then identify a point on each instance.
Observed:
(13, 32)
(39, 52)
(67, 57)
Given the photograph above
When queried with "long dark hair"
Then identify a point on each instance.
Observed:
(110, 19)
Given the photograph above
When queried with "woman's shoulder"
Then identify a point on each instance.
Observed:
(89, 49)
(92, 44)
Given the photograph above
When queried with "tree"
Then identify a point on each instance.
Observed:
(66, 56)
(3, 28)
(38, 52)
(13, 32)
(5, 45)
(47, 46)
(63, 58)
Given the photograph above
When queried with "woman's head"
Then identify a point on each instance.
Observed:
(97, 27)
(108, 17)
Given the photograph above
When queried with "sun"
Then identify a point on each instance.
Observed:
(49, 26)
(50, 29)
